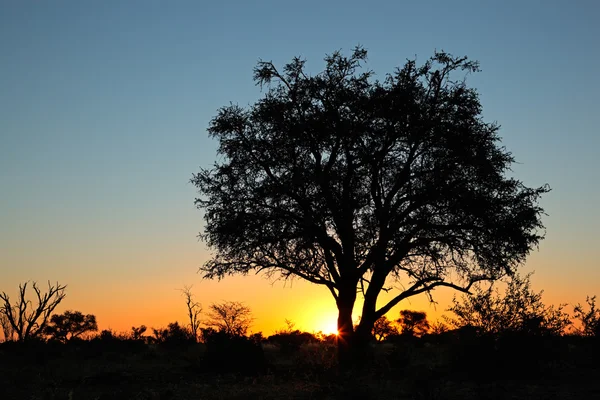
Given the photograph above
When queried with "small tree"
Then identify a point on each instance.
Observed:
(590, 319)
(413, 323)
(520, 309)
(231, 317)
(383, 328)
(138, 332)
(194, 310)
(27, 319)
(69, 325)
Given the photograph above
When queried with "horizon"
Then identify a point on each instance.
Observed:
(103, 118)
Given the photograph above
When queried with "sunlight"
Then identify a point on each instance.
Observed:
(327, 325)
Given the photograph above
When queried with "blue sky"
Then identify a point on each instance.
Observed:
(104, 108)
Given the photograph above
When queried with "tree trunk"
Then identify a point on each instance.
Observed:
(352, 344)
(345, 304)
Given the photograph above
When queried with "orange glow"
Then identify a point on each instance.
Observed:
(326, 323)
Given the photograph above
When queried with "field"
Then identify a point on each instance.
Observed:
(429, 368)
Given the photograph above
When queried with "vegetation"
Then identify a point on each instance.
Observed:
(230, 317)
(70, 325)
(383, 329)
(590, 318)
(194, 310)
(356, 184)
(25, 319)
(520, 309)
(413, 323)
(408, 357)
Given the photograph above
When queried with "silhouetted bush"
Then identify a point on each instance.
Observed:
(173, 336)
(109, 341)
(290, 342)
(518, 309)
(589, 318)
(226, 353)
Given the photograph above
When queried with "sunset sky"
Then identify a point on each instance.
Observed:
(104, 107)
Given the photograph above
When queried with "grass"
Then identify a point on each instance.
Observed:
(400, 371)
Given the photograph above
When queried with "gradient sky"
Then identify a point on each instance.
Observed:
(104, 107)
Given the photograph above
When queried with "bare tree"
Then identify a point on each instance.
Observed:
(26, 319)
(194, 310)
(231, 317)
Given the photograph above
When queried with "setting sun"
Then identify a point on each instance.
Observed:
(327, 325)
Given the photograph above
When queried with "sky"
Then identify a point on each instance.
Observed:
(104, 108)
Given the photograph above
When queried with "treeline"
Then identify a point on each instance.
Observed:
(485, 311)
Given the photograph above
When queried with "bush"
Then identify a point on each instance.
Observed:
(226, 353)
(290, 342)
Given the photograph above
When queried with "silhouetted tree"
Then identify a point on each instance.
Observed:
(27, 319)
(519, 309)
(590, 318)
(413, 323)
(7, 329)
(230, 317)
(70, 324)
(353, 183)
(194, 310)
(137, 333)
(383, 328)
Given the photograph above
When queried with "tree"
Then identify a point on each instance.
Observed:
(590, 319)
(194, 310)
(69, 325)
(519, 309)
(383, 328)
(28, 320)
(230, 317)
(137, 333)
(7, 330)
(355, 184)
(413, 323)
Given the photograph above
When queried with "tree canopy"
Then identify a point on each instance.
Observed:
(363, 185)
(69, 325)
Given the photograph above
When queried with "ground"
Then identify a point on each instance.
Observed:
(409, 370)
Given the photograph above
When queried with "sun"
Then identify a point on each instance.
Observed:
(328, 325)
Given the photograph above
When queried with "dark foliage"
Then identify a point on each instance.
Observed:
(69, 325)
(353, 183)
(289, 342)
(226, 353)
(413, 323)
(384, 328)
(589, 318)
(137, 333)
(174, 335)
(518, 310)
